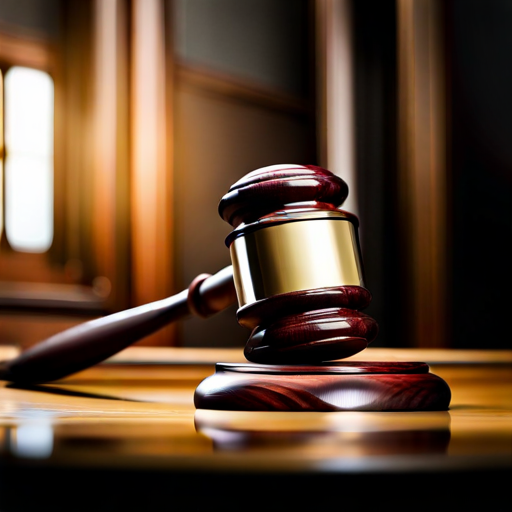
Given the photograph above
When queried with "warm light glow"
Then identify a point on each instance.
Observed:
(1, 155)
(149, 137)
(339, 96)
(28, 159)
(1, 197)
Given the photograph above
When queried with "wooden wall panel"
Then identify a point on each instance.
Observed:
(219, 139)
(422, 164)
(151, 169)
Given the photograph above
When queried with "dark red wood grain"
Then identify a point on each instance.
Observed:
(314, 336)
(293, 331)
(296, 327)
(268, 189)
(322, 392)
(268, 310)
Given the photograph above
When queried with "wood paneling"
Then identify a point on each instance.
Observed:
(151, 186)
(220, 138)
(26, 50)
(136, 222)
(422, 165)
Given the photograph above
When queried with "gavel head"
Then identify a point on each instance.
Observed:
(297, 266)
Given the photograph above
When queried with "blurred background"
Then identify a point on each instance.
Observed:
(123, 122)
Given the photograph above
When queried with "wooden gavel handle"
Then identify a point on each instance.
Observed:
(89, 343)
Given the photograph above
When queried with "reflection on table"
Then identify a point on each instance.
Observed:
(132, 422)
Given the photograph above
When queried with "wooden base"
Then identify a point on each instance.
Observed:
(344, 386)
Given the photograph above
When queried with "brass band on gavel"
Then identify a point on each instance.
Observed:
(316, 252)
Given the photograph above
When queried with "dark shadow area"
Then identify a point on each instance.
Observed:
(480, 38)
(66, 392)
(101, 489)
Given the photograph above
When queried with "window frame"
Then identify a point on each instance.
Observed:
(47, 281)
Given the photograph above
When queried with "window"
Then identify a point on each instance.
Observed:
(27, 195)
(48, 254)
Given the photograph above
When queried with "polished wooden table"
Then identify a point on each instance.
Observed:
(125, 435)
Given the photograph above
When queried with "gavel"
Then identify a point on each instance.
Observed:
(296, 270)
(297, 274)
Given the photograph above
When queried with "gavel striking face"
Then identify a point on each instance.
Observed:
(297, 266)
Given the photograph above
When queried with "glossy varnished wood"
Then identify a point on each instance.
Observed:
(306, 325)
(295, 327)
(318, 335)
(274, 308)
(92, 342)
(266, 190)
(126, 435)
(355, 386)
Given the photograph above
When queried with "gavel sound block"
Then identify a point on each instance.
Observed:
(298, 276)
(299, 280)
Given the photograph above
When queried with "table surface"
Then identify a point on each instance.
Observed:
(131, 421)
